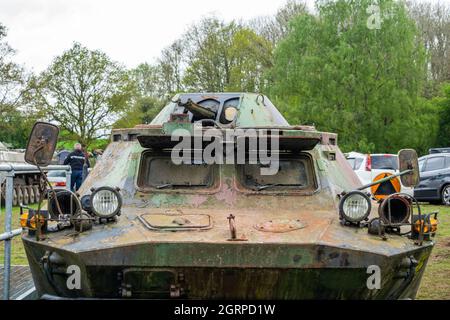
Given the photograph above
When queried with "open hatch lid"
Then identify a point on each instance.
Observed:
(298, 140)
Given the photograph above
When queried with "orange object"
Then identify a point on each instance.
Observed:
(30, 223)
(23, 220)
(378, 190)
(426, 227)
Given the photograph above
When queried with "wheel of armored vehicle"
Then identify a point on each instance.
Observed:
(36, 193)
(15, 199)
(26, 195)
(32, 194)
(19, 195)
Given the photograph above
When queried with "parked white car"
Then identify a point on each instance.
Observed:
(368, 166)
(57, 178)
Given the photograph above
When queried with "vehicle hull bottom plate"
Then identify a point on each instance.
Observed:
(322, 279)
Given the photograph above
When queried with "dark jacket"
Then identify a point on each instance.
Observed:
(76, 160)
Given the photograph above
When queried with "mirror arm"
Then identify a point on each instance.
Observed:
(46, 180)
(385, 179)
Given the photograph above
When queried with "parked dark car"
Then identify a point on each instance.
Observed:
(434, 183)
(439, 150)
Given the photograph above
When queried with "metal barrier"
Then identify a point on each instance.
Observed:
(8, 171)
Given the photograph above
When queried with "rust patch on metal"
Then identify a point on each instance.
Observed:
(176, 222)
(280, 225)
(227, 194)
(198, 200)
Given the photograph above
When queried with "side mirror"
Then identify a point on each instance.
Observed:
(41, 144)
(407, 160)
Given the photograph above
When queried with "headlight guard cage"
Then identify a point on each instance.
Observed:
(116, 192)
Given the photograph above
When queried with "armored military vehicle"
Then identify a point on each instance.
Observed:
(278, 214)
(26, 189)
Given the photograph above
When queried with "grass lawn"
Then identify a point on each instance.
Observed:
(435, 283)
(18, 252)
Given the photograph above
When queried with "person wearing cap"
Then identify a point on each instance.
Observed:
(77, 160)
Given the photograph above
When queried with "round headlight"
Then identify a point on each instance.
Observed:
(355, 206)
(106, 202)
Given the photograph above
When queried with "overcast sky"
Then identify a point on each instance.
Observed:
(129, 31)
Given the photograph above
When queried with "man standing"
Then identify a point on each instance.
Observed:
(76, 160)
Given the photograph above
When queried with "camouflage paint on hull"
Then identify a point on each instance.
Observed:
(255, 272)
(323, 260)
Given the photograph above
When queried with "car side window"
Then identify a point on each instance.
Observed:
(358, 162)
(447, 162)
(355, 163)
(435, 163)
(421, 163)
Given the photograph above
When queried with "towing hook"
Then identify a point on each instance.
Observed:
(232, 226)
(233, 231)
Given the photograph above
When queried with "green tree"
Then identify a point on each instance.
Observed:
(83, 90)
(224, 56)
(12, 77)
(147, 79)
(433, 22)
(252, 56)
(443, 104)
(335, 71)
(170, 66)
(15, 118)
(148, 96)
(276, 27)
(142, 112)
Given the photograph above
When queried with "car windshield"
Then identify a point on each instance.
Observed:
(355, 163)
(292, 174)
(384, 162)
(162, 173)
(56, 174)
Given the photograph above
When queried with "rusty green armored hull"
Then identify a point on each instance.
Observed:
(217, 231)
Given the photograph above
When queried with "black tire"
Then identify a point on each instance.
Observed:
(31, 193)
(19, 195)
(15, 198)
(36, 193)
(26, 195)
(445, 195)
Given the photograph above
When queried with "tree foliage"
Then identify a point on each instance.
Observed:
(170, 66)
(211, 56)
(333, 71)
(82, 90)
(275, 28)
(142, 112)
(12, 76)
(148, 80)
(225, 57)
(378, 88)
(442, 103)
(433, 21)
(14, 125)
